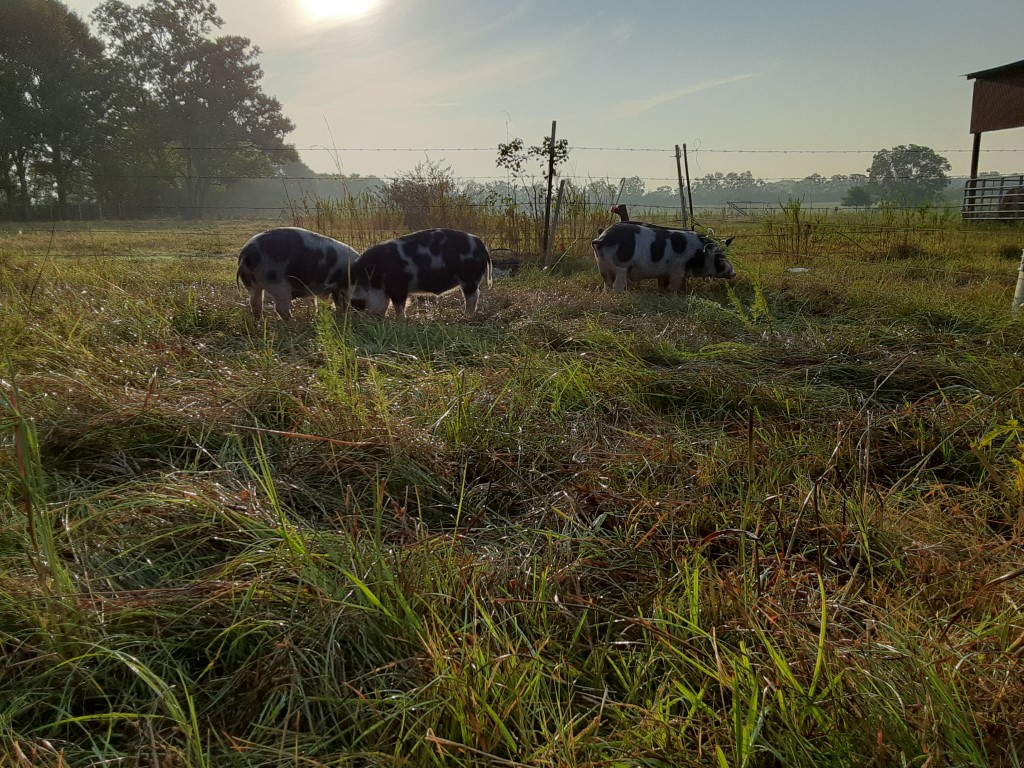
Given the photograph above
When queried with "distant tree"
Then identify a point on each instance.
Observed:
(634, 187)
(908, 174)
(428, 195)
(858, 197)
(601, 191)
(54, 97)
(196, 111)
(811, 188)
(742, 182)
(709, 183)
(719, 187)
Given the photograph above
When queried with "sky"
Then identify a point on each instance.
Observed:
(782, 89)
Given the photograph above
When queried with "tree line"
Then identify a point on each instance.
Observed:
(152, 110)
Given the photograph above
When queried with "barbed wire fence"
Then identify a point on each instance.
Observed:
(740, 208)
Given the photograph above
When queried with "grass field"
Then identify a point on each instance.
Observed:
(777, 523)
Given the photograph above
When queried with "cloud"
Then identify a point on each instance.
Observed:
(635, 107)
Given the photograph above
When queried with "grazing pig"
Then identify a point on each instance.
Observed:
(628, 251)
(428, 261)
(290, 263)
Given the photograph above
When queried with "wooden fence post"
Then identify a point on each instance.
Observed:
(551, 180)
(682, 189)
(554, 225)
(689, 191)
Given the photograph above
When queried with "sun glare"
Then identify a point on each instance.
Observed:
(337, 10)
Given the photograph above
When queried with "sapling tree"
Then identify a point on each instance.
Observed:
(516, 158)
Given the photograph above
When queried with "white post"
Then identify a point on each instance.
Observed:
(1018, 296)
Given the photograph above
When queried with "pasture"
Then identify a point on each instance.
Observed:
(777, 523)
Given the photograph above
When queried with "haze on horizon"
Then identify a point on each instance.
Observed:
(783, 90)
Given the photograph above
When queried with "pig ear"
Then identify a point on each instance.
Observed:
(729, 240)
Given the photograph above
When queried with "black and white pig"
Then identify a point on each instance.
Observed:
(290, 263)
(628, 252)
(428, 261)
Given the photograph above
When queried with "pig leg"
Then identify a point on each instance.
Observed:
(471, 292)
(256, 301)
(340, 300)
(621, 279)
(607, 273)
(399, 310)
(677, 282)
(282, 296)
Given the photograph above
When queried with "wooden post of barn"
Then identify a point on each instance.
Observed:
(689, 191)
(682, 189)
(554, 225)
(971, 190)
(975, 154)
(551, 179)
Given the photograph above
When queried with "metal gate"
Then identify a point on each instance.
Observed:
(994, 197)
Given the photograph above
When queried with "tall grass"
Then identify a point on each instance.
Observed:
(775, 523)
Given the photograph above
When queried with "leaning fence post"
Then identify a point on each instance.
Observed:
(622, 186)
(682, 189)
(554, 225)
(689, 189)
(1018, 296)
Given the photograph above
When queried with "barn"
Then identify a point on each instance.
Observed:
(998, 104)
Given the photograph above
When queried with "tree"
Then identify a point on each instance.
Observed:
(908, 174)
(514, 158)
(634, 187)
(601, 190)
(197, 114)
(426, 195)
(54, 96)
(857, 197)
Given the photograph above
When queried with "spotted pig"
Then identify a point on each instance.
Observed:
(428, 261)
(290, 263)
(628, 252)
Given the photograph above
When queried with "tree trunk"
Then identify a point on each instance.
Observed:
(191, 188)
(21, 167)
(197, 187)
(60, 178)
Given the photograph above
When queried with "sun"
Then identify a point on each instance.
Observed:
(338, 10)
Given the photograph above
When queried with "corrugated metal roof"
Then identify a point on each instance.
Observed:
(997, 71)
